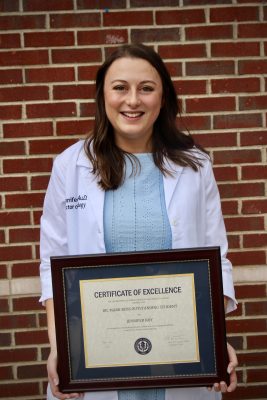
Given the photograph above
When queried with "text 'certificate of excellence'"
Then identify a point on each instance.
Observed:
(139, 320)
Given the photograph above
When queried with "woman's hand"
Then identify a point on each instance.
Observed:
(54, 380)
(222, 386)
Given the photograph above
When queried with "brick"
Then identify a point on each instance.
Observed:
(209, 32)
(194, 123)
(236, 341)
(235, 85)
(84, 91)
(225, 173)
(253, 359)
(22, 22)
(15, 218)
(120, 18)
(244, 223)
(202, 68)
(182, 51)
(87, 73)
(51, 74)
(155, 35)
(22, 270)
(204, 2)
(10, 112)
(254, 206)
(11, 184)
(9, 40)
(80, 127)
(16, 389)
(246, 49)
(30, 338)
(87, 109)
(253, 103)
(22, 165)
(40, 5)
(76, 55)
(247, 258)
(18, 321)
(43, 323)
(51, 110)
(174, 68)
(248, 392)
(3, 270)
(180, 17)
(209, 104)
(37, 214)
(258, 30)
(26, 304)
(235, 121)
(5, 339)
(251, 138)
(256, 342)
(234, 242)
(39, 182)
(28, 129)
(154, 3)
(9, 6)
(28, 372)
(24, 93)
(15, 253)
(247, 325)
(77, 20)
(237, 190)
(255, 240)
(236, 156)
(2, 236)
(10, 76)
(252, 66)
(12, 148)
(256, 375)
(53, 146)
(24, 235)
(4, 305)
(229, 207)
(24, 57)
(228, 14)
(257, 172)
(250, 291)
(101, 4)
(103, 36)
(24, 200)
(256, 308)
(49, 39)
(6, 373)
(190, 87)
(216, 139)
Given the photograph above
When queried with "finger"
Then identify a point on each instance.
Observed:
(233, 382)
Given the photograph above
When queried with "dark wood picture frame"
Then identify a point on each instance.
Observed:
(203, 263)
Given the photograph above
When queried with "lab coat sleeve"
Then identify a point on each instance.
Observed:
(216, 233)
(53, 236)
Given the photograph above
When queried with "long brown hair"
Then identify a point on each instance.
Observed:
(108, 160)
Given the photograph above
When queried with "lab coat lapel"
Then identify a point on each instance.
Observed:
(95, 194)
(170, 181)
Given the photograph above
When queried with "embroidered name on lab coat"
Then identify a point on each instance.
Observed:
(76, 203)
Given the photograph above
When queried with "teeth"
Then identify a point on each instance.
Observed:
(132, 115)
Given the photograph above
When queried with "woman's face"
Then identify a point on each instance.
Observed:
(133, 99)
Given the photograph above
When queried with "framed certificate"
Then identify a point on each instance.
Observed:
(140, 320)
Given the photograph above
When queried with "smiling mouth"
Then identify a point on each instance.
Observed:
(132, 115)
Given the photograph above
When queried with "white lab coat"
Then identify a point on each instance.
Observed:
(72, 223)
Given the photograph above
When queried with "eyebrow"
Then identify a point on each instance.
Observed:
(124, 81)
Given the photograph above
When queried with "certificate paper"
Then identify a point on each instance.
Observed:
(139, 320)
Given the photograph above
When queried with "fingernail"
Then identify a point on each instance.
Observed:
(229, 370)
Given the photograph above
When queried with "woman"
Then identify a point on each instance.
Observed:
(145, 186)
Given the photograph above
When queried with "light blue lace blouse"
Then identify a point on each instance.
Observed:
(135, 219)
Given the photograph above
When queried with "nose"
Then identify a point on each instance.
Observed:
(133, 99)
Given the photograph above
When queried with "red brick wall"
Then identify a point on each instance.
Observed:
(50, 50)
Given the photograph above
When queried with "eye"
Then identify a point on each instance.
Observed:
(147, 88)
(119, 88)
